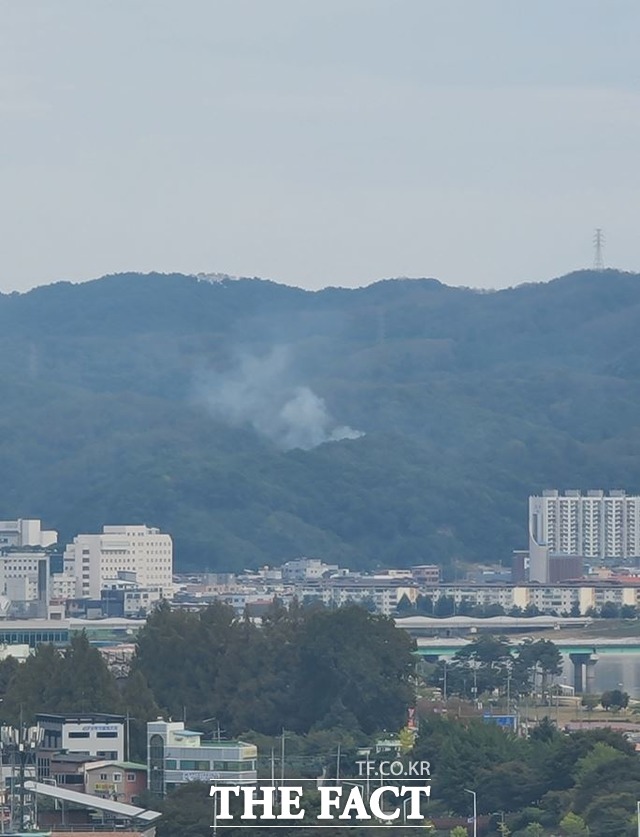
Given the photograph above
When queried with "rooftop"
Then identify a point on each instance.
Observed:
(122, 765)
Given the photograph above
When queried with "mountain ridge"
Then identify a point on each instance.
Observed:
(144, 397)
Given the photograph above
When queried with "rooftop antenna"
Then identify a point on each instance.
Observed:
(598, 244)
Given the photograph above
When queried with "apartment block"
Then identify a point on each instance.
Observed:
(592, 525)
(548, 598)
(382, 594)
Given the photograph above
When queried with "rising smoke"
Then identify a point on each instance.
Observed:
(261, 392)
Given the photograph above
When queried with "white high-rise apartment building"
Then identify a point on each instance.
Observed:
(95, 559)
(595, 525)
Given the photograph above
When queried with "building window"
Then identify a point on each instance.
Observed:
(156, 765)
(117, 777)
(191, 764)
(106, 735)
(78, 735)
(131, 777)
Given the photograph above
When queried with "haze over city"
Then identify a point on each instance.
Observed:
(317, 143)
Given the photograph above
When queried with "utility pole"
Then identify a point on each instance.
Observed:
(475, 811)
(598, 244)
(22, 744)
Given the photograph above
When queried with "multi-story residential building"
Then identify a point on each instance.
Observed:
(21, 533)
(594, 525)
(548, 598)
(121, 781)
(426, 573)
(143, 552)
(176, 755)
(381, 593)
(306, 569)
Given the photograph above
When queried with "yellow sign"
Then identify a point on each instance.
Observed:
(105, 786)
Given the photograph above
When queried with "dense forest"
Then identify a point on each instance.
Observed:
(403, 422)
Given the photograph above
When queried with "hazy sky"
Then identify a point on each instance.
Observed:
(318, 142)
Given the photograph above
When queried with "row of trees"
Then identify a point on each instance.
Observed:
(490, 663)
(444, 606)
(303, 668)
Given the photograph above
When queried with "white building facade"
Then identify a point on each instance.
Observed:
(142, 552)
(595, 525)
(548, 598)
(176, 755)
(19, 533)
(93, 734)
(24, 576)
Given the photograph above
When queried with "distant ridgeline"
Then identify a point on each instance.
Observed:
(402, 423)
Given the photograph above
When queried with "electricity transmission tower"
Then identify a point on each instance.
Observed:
(598, 244)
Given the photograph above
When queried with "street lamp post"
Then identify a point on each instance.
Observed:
(444, 662)
(509, 667)
(475, 811)
(638, 813)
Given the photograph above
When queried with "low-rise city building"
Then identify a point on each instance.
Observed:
(306, 569)
(177, 755)
(92, 734)
(122, 781)
(24, 581)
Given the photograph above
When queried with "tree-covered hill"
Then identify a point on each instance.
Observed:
(403, 422)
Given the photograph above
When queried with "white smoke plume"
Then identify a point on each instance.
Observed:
(260, 392)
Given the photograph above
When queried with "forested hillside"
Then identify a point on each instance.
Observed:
(403, 422)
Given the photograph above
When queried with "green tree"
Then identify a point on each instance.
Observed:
(609, 610)
(444, 606)
(590, 702)
(33, 687)
(614, 699)
(139, 705)
(84, 682)
(612, 813)
(573, 825)
(186, 812)
(361, 659)
(8, 669)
